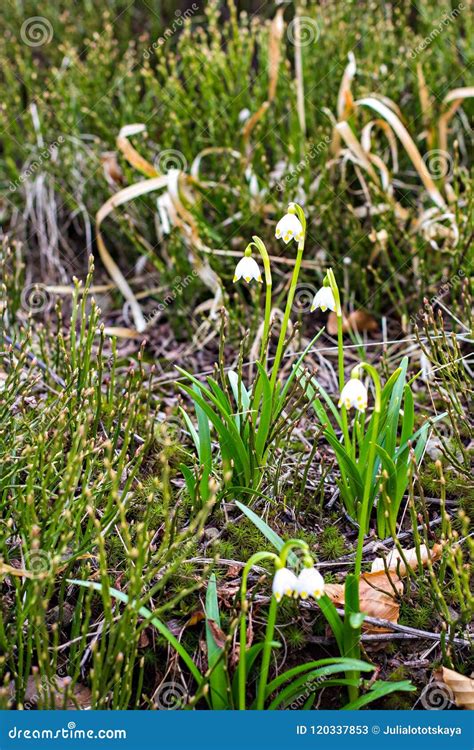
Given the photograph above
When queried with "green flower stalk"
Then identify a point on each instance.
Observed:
(247, 268)
(354, 394)
(332, 283)
(285, 583)
(291, 226)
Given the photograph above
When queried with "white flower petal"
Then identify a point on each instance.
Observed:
(247, 268)
(310, 583)
(284, 583)
(289, 227)
(324, 299)
(354, 394)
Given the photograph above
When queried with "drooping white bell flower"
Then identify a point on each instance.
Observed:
(284, 583)
(324, 299)
(354, 394)
(289, 227)
(247, 268)
(310, 583)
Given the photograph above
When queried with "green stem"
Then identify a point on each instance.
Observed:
(257, 557)
(364, 511)
(289, 301)
(267, 652)
(340, 354)
(257, 242)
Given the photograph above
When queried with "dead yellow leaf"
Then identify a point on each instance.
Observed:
(461, 687)
(358, 320)
(377, 597)
(395, 562)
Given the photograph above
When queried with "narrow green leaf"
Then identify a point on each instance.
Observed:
(267, 532)
(218, 679)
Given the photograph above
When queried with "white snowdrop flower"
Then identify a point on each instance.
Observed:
(310, 583)
(247, 268)
(284, 583)
(289, 227)
(244, 114)
(324, 299)
(354, 394)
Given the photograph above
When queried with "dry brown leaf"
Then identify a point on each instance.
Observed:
(195, 618)
(377, 597)
(358, 320)
(461, 687)
(395, 562)
(112, 171)
(131, 154)
(39, 691)
(277, 28)
(217, 634)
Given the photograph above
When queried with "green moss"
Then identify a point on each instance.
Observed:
(332, 544)
(295, 638)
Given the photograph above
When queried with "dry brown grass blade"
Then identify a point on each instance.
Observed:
(426, 104)
(252, 122)
(366, 139)
(409, 145)
(355, 148)
(300, 100)
(277, 27)
(462, 687)
(344, 101)
(196, 165)
(186, 223)
(124, 196)
(455, 98)
(131, 154)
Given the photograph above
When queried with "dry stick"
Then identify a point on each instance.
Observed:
(414, 632)
(407, 631)
(36, 361)
(376, 543)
